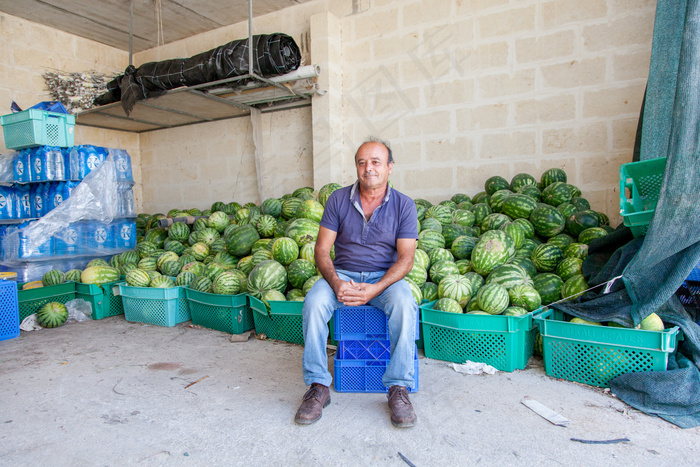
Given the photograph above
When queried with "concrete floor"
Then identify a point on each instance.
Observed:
(116, 393)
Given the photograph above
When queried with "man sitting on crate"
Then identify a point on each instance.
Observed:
(374, 229)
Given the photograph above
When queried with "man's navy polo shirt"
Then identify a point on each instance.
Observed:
(362, 246)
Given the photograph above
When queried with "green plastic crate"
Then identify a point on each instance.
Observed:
(595, 355)
(284, 322)
(31, 300)
(504, 342)
(34, 127)
(640, 185)
(101, 297)
(226, 313)
(162, 307)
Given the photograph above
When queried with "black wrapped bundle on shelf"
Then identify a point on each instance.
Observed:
(273, 54)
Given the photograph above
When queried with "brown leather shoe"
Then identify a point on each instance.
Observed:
(315, 400)
(402, 414)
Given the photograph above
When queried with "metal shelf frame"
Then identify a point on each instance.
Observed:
(190, 105)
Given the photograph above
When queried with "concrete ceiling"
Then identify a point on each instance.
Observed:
(107, 21)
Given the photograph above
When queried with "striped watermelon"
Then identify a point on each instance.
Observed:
(226, 283)
(260, 256)
(185, 278)
(167, 256)
(418, 274)
(525, 296)
(514, 231)
(580, 221)
(195, 267)
(242, 216)
(527, 227)
(526, 264)
(421, 258)
(240, 240)
(415, 290)
(225, 259)
(448, 305)
(464, 266)
(431, 224)
(546, 257)
(440, 254)
(495, 183)
(462, 246)
(302, 231)
(307, 252)
(162, 282)
(290, 206)
(174, 246)
(310, 283)
(493, 298)
(494, 221)
(552, 175)
(147, 264)
(460, 197)
(200, 251)
(556, 194)
(284, 250)
(576, 250)
(497, 199)
(588, 235)
(245, 264)
(515, 311)
(201, 284)
(138, 278)
(212, 270)
(548, 285)
(522, 179)
(218, 221)
(573, 287)
(441, 269)
(430, 239)
(271, 207)
(531, 191)
(561, 240)
(310, 209)
(567, 209)
(293, 294)
(508, 275)
(569, 267)
(476, 279)
(299, 271)
(439, 212)
(480, 211)
(450, 232)
(456, 287)
(52, 315)
(326, 191)
(268, 275)
(492, 250)
(130, 256)
(171, 267)
(463, 217)
(53, 277)
(429, 291)
(548, 221)
(262, 244)
(265, 226)
(72, 275)
(518, 206)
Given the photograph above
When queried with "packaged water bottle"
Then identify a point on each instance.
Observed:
(21, 166)
(67, 242)
(40, 164)
(25, 249)
(7, 202)
(24, 206)
(46, 198)
(122, 162)
(124, 231)
(91, 157)
(68, 189)
(57, 196)
(74, 155)
(55, 160)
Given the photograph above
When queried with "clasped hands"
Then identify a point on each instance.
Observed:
(355, 294)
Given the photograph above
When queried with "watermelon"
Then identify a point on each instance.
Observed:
(450, 232)
(212, 270)
(464, 266)
(265, 226)
(309, 283)
(115, 261)
(567, 209)
(260, 256)
(549, 286)
(518, 206)
(480, 210)
(268, 275)
(494, 221)
(463, 217)
(581, 204)
(53, 277)
(569, 267)
(476, 279)
(515, 232)
(492, 250)
(515, 311)
(226, 283)
(326, 191)
(576, 250)
(525, 296)
(473, 308)
(293, 294)
(456, 287)
(138, 278)
(548, 221)
(299, 271)
(290, 206)
(573, 287)
(201, 284)
(231, 208)
(271, 207)
(462, 246)
(99, 275)
(126, 267)
(495, 183)
(174, 246)
(465, 205)
(520, 180)
(52, 315)
(218, 206)
(73, 275)
(242, 216)
(429, 291)
(262, 244)
(200, 251)
(305, 190)
(310, 209)
(245, 264)
(167, 256)
(526, 264)
(439, 212)
(531, 191)
(185, 278)
(439, 254)
(195, 267)
(415, 290)
(556, 193)
(508, 275)
(421, 258)
(284, 250)
(307, 252)
(492, 298)
(431, 224)
(561, 240)
(130, 256)
(442, 268)
(497, 199)
(588, 235)
(225, 259)
(420, 211)
(552, 175)
(546, 257)
(527, 227)
(580, 221)
(162, 282)
(418, 274)
(575, 191)
(302, 231)
(448, 305)
(449, 204)
(430, 239)
(171, 267)
(218, 221)
(97, 262)
(241, 239)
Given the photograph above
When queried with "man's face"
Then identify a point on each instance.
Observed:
(372, 168)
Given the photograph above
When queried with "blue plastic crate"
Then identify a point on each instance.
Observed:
(359, 323)
(162, 307)
(364, 375)
(9, 310)
(364, 350)
(34, 127)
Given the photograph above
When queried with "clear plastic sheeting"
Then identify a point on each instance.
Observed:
(90, 223)
(6, 168)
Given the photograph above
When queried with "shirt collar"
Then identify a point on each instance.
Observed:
(355, 192)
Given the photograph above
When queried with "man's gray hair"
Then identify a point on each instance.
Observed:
(374, 139)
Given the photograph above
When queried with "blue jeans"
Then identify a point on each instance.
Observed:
(398, 304)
